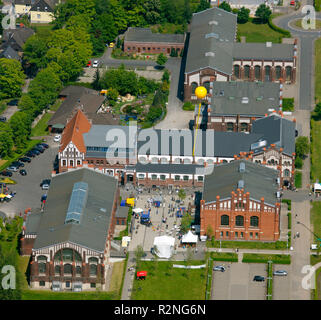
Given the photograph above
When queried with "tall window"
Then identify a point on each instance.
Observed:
(288, 72)
(194, 86)
(93, 269)
(225, 220)
(257, 72)
(237, 71)
(254, 221)
(78, 270)
(244, 126)
(42, 267)
(278, 72)
(206, 84)
(247, 72)
(67, 268)
(239, 221)
(286, 172)
(57, 270)
(230, 126)
(267, 70)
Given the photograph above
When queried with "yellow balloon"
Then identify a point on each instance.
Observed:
(200, 92)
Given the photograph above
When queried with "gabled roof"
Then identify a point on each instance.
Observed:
(146, 35)
(94, 224)
(74, 131)
(258, 180)
(44, 6)
(19, 35)
(10, 53)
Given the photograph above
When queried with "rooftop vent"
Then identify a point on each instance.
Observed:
(242, 167)
(259, 144)
(259, 98)
(269, 44)
(213, 22)
(209, 54)
(240, 184)
(245, 100)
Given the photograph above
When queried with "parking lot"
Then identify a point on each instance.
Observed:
(281, 284)
(143, 235)
(236, 282)
(28, 190)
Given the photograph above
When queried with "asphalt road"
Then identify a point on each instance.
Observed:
(281, 284)
(28, 187)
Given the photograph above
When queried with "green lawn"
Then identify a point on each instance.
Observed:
(163, 283)
(315, 150)
(42, 30)
(224, 256)
(49, 295)
(278, 245)
(315, 218)
(264, 258)
(41, 129)
(318, 70)
(258, 32)
(298, 179)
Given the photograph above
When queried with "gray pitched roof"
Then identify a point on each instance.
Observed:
(212, 30)
(167, 168)
(227, 98)
(10, 53)
(17, 36)
(94, 224)
(76, 90)
(277, 130)
(259, 181)
(32, 223)
(146, 35)
(277, 51)
(44, 5)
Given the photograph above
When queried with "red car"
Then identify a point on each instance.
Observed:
(88, 63)
(292, 3)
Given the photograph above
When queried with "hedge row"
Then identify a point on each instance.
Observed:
(277, 29)
(224, 256)
(289, 220)
(264, 258)
(288, 202)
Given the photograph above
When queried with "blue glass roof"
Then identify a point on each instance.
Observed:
(77, 202)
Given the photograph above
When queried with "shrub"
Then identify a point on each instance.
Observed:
(288, 104)
(188, 106)
(278, 29)
(298, 163)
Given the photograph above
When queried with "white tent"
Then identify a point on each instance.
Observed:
(189, 237)
(138, 210)
(164, 245)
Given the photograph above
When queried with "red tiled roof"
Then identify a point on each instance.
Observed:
(74, 130)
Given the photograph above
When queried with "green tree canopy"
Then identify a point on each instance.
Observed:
(243, 15)
(161, 59)
(302, 146)
(203, 5)
(20, 124)
(263, 13)
(6, 140)
(11, 78)
(225, 6)
(112, 95)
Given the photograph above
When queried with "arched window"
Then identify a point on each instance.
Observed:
(244, 126)
(194, 85)
(57, 270)
(42, 267)
(247, 72)
(239, 221)
(93, 269)
(278, 74)
(42, 259)
(288, 73)
(237, 71)
(254, 221)
(206, 84)
(230, 126)
(78, 270)
(267, 71)
(93, 260)
(67, 255)
(225, 220)
(257, 72)
(67, 268)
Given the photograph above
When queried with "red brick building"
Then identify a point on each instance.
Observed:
(143, 40)
(240, 202)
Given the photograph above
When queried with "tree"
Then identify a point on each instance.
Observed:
(263, 13)
(35, 51)
(165, 76)
(6, 141)
(203, 5)
(302, 147)
(112, 95)
(139, 252)
(11, 78)
(181, 194)
(20, 124)
(161, 59)
(317, 110)
(225, 6)
(209, 232)
(186, 222)
(243, 15)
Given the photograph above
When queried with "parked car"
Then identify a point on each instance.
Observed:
(280, 273)
(23, 172)
(36, 152)
(41, 150)
(258, 278)
(39, 145)
(6, 173)
(45, 145)
(219, 268)
(292, 3)
(13, 168)
(18, 164)
(45, 181)
(13, 102)
(88, 63)
(25, 159)
(44, 197)
(3, 119)
(57, 138)
(45, 186)
(95, 64)
(30, 154)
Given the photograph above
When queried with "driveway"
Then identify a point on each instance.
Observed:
(28, 187)
(236, 283)
(9, 112)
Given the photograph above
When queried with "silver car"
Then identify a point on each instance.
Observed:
(219, 268)
(280, 273)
